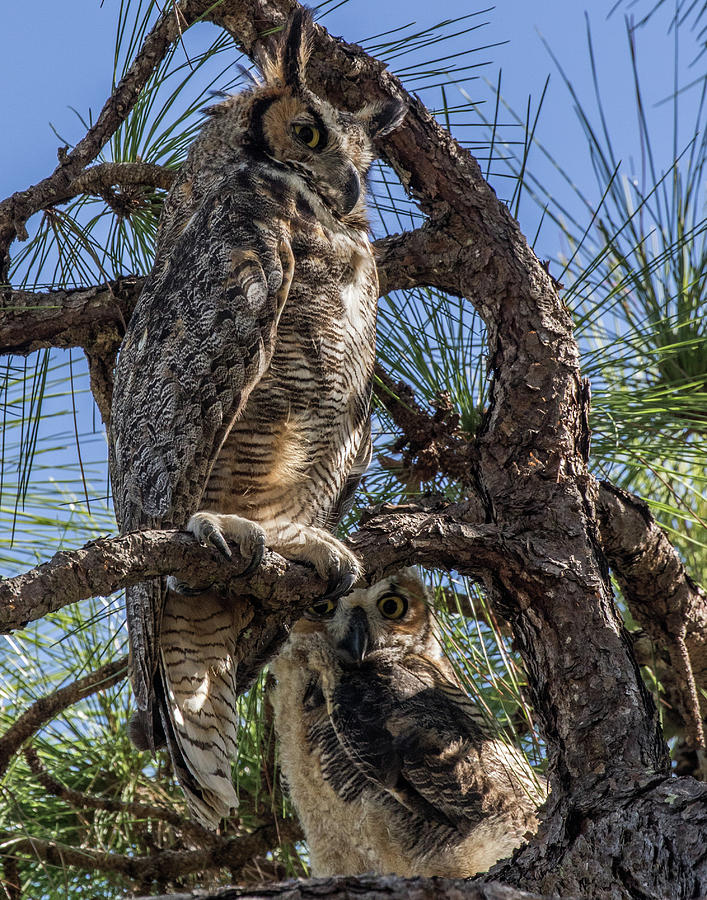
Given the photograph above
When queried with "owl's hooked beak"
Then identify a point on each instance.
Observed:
(351, 190)
(340, 184)
(353, 646)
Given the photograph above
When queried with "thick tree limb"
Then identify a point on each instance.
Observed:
(661, 595)
(386, 887)
(397, 536)
(411, 259)
(639, 840)
(85, 317)
(46, 708)
(662, 598)
(659, 592)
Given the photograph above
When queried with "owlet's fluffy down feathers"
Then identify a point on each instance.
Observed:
(241, 402)
(389, 764)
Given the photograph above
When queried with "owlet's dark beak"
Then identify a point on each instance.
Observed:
(353, 646)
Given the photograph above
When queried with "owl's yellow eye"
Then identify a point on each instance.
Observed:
(392, 606)
(309, 135)
(325, 609)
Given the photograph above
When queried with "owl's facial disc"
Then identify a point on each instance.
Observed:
(328, 150)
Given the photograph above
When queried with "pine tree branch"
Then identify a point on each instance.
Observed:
(46, 708)
(163, 865)
(392, 537)
(80, 801)
(16, 209)
(84, 317)
(100, 178)
(412, 259)
(662, 598)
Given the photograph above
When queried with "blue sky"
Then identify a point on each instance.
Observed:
(62, 55)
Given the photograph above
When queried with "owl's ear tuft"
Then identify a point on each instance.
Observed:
(382, 118)
(297, 47)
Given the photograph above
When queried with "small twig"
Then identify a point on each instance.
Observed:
(80, 800)
(46, 708)
(101, 177)
(11, 884)
(233, 853)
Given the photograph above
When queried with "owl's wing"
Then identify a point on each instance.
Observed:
(414, 734)
(201, 336)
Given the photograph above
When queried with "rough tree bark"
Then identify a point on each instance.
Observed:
(617, 825)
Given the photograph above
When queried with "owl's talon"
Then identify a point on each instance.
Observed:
(256, 559)
(217, 540)
(339, 584)
(187, 590)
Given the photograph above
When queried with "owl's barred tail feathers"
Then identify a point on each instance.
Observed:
(198, 669)
(195, 702)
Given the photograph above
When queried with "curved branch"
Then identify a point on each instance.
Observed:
(163, 865)
(46, 708)
(662, 597)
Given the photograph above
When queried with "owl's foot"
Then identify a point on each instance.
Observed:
(303, 543)
(212, 529)
(307, 543)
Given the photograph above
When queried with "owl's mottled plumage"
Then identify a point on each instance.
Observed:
(390, 765)
(241, 402)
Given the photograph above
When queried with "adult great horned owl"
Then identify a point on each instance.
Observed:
(388, 762)
(241, 400)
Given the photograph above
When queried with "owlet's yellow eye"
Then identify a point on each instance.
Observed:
(392, 606)
(325, 609)
(308, 134)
